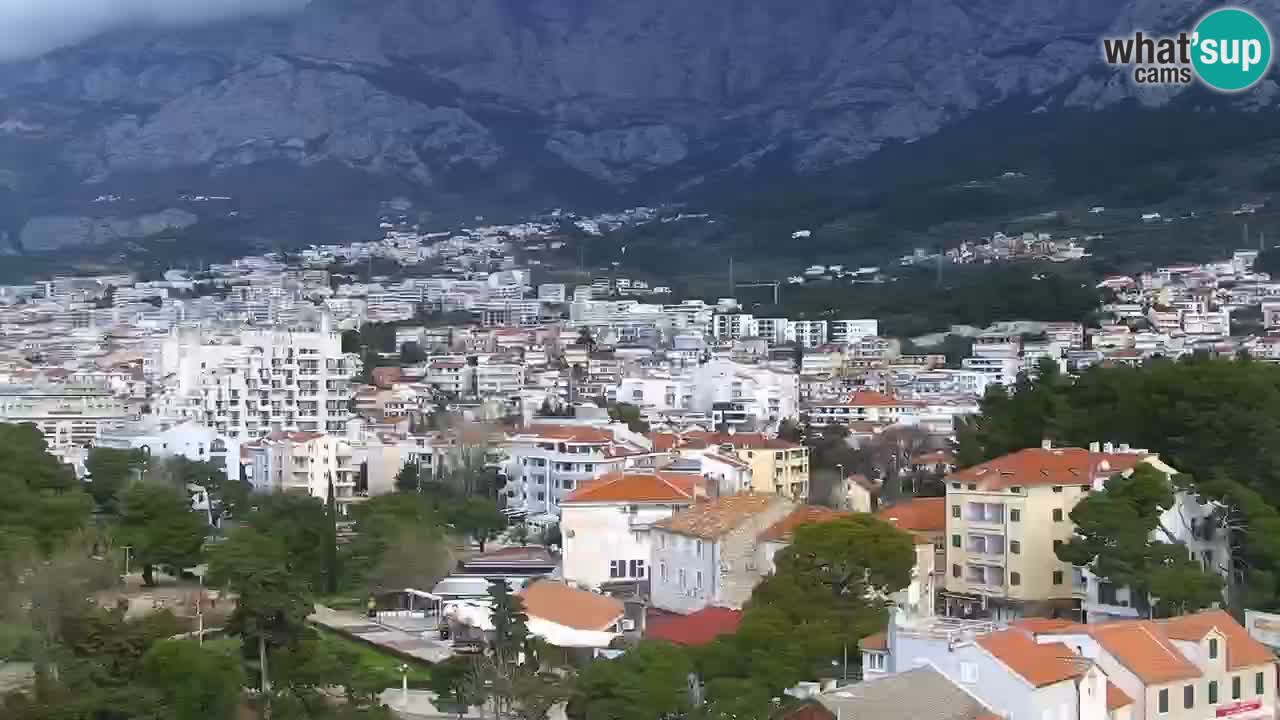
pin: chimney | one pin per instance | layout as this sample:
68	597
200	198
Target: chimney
1046	444
1095	447
1108	447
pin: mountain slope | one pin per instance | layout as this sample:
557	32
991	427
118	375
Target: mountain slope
484	104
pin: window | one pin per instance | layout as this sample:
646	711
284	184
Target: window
973	486
1235	688
955	541
662	571
1259	684
1188	696
682	578
1016	490
698	583
637	568
968	672
1213	648
875	661
1015	547
617	568
1056	544
1015	578
955	571
699	548
1015	516
1057	488
955	486
955	511
1057	514
1213	692
1057	577
1163	701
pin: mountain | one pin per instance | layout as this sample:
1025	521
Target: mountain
489	105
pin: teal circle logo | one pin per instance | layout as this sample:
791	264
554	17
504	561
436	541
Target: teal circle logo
1231	49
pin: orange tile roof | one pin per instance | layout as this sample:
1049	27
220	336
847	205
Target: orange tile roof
871	398
919	515
936	457
571	607
1116	698
1038	466
1046	626
877	642
695	629
1143	649
569	433
1242	650
1038	664
712	519
751	441
637	487
782	530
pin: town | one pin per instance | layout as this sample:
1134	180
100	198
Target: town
634	483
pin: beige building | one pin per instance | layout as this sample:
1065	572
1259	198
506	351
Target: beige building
1004	519
778	467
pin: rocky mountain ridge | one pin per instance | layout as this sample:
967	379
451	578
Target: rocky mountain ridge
448	97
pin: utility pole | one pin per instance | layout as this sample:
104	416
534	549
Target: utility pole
732	285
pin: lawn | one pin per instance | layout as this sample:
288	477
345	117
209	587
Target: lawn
373	659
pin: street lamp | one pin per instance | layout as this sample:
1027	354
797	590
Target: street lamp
404	684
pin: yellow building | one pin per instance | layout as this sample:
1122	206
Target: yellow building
778	466
1005	518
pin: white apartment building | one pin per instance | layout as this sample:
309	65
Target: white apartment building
304	463
809	333
551	292
772	330
865	406
548	462
189	440
66	415
733	326
847	332
256	382
768	396
498	378
605	523
998	370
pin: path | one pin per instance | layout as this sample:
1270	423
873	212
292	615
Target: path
415	637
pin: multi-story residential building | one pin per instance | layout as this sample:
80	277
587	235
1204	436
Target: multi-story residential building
865	406
778	467
767	396
998	370
605	523
732	326
67	415
1007	516
771	330
847	332
547	463
809	333
709	554
257	382
499	378
189	440
305	464
448	374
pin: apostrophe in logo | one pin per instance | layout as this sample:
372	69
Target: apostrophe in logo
1231	49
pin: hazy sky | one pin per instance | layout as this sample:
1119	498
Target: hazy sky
30	28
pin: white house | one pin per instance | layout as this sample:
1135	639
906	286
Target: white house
605	523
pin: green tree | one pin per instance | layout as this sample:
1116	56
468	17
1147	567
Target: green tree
195	682
272	603
159	525
791	430
650	681
629	414
43	504
1120	539
408	478
303	526
479	519
111	471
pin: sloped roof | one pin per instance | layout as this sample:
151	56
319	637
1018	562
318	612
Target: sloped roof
712	519
632	486
1143	649
921	693
695	629
563	605
876	642
1038	664
782	530
918	515
569	433
1040	466
1242	650
1116	698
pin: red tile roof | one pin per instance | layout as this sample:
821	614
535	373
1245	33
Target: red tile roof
918	515
1242	650
1142	648
637	487
1038	466
752	441
1116	698
1038	664
712	519
569	433
698	628
782	530
877	642
936	457
571	607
